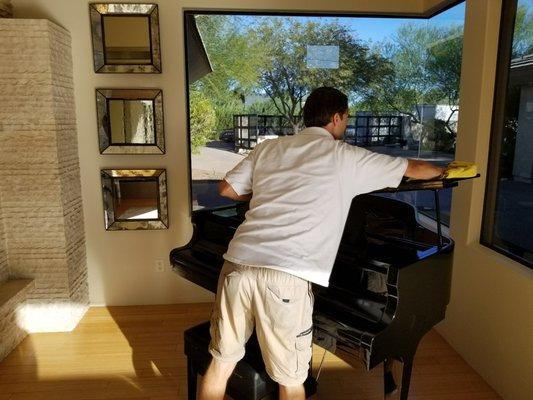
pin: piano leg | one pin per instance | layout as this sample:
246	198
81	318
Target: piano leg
192	376
389	378
396	372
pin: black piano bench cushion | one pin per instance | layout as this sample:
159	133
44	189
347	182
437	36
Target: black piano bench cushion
249	380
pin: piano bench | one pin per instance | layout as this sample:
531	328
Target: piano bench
249	380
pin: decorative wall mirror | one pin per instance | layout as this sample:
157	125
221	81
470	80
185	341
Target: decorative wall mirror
125	37
130	121
134	199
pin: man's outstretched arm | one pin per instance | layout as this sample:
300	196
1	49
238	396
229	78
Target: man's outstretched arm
226	190
417	169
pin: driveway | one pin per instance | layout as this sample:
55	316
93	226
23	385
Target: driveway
214	160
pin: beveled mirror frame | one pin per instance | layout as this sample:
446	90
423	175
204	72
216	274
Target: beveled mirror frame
108	176
104	127
98	10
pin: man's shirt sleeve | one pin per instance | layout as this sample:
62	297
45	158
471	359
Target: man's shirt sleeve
369	171
240	177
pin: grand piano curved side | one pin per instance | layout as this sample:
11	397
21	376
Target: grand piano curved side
389	286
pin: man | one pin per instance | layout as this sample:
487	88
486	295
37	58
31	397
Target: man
300	189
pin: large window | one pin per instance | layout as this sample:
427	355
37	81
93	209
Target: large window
401	76
508	212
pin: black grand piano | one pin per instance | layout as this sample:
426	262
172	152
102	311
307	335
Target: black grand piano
389	286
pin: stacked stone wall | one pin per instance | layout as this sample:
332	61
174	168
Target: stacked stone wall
40	186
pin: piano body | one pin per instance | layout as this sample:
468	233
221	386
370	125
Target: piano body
389	286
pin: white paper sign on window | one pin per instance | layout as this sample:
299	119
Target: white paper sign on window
323	57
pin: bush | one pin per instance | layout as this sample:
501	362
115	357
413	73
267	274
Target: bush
202	120
444	139
434	136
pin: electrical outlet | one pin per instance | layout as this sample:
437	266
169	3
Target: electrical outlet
159	265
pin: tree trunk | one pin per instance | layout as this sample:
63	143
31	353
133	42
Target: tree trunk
296	128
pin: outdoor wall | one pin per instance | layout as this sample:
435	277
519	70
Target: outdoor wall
489	320
121	264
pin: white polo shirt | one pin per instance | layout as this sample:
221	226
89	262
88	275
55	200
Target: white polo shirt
303	186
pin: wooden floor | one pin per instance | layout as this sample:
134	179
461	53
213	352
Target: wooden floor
137	353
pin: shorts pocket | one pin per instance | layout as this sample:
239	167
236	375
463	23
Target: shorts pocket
283	305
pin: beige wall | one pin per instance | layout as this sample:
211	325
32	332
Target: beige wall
489	320
4	270
121	265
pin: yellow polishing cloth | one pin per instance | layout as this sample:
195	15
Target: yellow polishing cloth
460	169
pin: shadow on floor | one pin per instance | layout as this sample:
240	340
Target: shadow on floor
137	353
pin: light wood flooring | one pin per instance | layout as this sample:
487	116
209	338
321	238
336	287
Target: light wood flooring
137	353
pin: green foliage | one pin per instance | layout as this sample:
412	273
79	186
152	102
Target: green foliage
412	81
523	32
443	65
440	138
427	70
225	111
287	79
262	107
202	120
419	65
234	54
236	58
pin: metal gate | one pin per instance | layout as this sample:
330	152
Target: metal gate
362	130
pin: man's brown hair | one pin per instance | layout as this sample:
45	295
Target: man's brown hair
322	104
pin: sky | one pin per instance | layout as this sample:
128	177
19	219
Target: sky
379	29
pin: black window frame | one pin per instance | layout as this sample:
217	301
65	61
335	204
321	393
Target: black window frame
503	65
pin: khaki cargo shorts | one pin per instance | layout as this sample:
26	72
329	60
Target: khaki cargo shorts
279	305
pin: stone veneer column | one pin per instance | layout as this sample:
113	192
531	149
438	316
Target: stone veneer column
40	189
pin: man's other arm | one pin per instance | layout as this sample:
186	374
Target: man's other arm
417	169
226	190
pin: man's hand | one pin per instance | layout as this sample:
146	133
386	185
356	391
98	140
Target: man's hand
417	169
225	189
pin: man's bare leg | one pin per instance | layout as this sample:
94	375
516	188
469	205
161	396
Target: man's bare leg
215	379
291	392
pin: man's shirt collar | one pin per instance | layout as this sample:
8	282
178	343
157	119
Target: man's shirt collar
316	130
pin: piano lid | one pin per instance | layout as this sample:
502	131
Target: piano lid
417	184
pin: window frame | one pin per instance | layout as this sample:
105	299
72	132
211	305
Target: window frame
503	65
